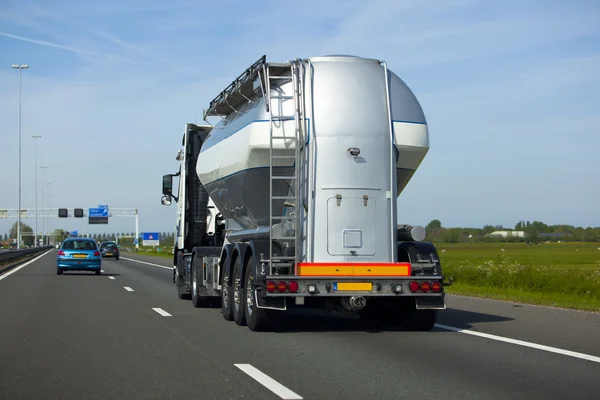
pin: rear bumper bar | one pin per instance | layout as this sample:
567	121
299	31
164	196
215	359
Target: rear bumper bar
328	286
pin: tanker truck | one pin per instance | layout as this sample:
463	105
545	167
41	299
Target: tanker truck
290	199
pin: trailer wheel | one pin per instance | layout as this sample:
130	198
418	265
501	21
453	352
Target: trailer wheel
182	291
418	320
239	299
257	319
226	295
198	300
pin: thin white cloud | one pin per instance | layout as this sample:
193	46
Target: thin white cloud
67	48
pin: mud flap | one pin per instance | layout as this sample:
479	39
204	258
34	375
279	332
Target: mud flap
430	303
271	303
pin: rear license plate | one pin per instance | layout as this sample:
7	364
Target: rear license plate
353	286
79	256
109	254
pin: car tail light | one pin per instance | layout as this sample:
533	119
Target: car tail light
414	286
96	253
425	286
293	286
271	286
282	287
436	287
61	253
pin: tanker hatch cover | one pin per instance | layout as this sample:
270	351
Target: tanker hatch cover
242	89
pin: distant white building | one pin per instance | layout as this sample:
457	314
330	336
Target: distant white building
508	234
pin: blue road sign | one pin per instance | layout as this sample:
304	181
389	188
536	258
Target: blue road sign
103	206
150	238
98	212
74	233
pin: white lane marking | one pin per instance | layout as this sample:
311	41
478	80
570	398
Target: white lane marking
111	277
162	312
12	271
128	288
144	262
101	270
522	343
269	382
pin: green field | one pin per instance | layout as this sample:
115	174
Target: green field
554	274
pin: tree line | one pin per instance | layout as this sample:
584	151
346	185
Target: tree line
535	231
58	235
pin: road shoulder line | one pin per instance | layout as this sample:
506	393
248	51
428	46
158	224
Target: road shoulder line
12	271
522	343
145	262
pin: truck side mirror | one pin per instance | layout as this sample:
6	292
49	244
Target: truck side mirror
167	185
166	200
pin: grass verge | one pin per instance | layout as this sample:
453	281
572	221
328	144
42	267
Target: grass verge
568	301
563	275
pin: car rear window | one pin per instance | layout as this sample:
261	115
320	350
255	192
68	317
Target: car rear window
79	245
111	245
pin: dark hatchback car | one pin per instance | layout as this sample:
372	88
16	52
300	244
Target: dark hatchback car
109	249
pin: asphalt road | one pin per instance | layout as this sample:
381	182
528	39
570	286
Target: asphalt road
125	334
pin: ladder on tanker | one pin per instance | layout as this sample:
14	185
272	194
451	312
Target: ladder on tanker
276	75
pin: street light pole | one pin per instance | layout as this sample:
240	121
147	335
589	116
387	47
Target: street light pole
44	183
36	137
20	68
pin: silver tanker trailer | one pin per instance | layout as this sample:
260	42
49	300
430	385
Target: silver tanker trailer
290	200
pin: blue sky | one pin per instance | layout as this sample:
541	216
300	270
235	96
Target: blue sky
511	91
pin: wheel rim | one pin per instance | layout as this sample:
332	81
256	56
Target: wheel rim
225	292
194	285
249	297
236	295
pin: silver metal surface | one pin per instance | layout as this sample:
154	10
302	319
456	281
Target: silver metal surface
392	170
258	171
411	233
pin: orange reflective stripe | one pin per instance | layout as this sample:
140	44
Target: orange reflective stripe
353	269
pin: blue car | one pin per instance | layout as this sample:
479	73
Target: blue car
78	254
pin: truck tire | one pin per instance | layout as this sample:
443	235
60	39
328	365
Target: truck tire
198	301
257	319
239	299
226	295
182	291
418	320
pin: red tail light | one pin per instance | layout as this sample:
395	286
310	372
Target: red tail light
293	286
96	253
414	286
436	287
425	286
61	253
282	287
271	286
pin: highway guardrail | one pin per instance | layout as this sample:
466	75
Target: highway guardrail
10	258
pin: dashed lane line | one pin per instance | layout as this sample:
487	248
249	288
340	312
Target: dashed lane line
162	312
268	382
